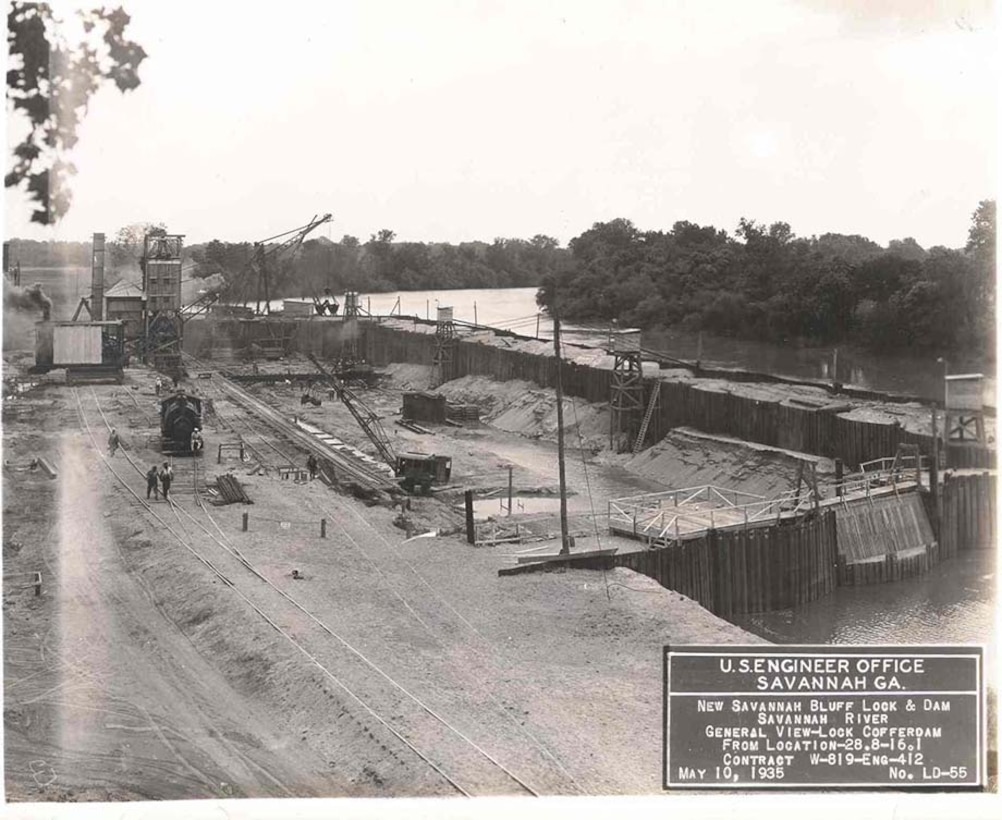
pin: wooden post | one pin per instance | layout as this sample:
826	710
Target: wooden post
38	584
323	527
835	384
474	314
564	545
537	325
839	477
246	516
937	510
509	488
219	456
471	535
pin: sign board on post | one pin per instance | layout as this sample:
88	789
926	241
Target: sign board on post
798	717
965	392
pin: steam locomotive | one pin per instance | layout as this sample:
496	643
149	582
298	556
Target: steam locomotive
180	414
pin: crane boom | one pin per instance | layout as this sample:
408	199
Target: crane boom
263	256
367	420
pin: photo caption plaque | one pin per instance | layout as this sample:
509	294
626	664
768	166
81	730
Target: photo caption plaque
801	717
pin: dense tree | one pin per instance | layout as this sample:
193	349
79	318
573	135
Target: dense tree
126	249
766	283
50	81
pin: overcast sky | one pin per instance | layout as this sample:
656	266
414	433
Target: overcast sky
452	121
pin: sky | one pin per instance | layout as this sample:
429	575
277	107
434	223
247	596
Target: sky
458	121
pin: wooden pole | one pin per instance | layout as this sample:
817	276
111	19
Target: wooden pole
537	325
839	477
564	545
934	478
471	535
323	527
509	488
246	516
474	314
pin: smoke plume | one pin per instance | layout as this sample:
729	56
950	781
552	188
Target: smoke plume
30	298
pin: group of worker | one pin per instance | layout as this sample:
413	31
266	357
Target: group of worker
159	385
159	478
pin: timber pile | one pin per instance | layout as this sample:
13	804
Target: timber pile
230	491
462	412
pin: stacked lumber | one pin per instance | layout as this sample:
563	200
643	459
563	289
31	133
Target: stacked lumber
230	491
462	412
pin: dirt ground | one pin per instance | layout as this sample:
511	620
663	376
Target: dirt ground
173	655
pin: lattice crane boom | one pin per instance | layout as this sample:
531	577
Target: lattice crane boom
367	420
264	256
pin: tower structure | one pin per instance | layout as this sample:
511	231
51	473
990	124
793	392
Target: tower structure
349	330
161	266
445	347
97	278
965	410
626	392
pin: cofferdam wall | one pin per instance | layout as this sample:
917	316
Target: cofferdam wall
852	430
795	417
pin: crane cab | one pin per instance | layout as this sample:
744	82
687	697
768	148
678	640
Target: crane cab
418	471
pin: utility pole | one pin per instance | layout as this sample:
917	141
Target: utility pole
564	541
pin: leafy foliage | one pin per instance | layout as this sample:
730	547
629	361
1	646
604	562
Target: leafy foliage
50	83
765	283
382	264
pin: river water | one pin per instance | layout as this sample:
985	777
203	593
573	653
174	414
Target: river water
953	603
516	309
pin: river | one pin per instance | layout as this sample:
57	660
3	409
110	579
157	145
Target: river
516	310
953	603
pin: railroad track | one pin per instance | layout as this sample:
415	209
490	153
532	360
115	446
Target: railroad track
369	690
367	475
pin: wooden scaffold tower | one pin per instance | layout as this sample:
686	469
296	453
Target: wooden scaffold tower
445	347
626	400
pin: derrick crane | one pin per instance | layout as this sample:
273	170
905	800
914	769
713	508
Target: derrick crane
264	256
258	270
367	420
416	471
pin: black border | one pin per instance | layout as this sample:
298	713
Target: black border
932	788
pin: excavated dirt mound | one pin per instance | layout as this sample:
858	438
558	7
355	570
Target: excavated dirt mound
688	458
526	409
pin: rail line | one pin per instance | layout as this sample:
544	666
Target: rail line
410	712
364	474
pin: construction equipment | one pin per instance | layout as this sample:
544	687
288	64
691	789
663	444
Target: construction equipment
257	274
416	471
265	256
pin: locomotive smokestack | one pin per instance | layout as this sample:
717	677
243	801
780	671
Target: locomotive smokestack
97	278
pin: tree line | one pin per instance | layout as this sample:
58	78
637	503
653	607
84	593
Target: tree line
382	264
761	283
764	283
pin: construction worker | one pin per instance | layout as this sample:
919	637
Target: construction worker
113	442
151	483
159	385
196	441
166	477
312	466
